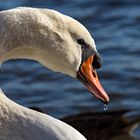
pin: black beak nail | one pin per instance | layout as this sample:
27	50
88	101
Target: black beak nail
97	63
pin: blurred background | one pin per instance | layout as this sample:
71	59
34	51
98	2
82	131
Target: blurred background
115	26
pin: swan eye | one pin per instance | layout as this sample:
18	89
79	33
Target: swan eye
81	41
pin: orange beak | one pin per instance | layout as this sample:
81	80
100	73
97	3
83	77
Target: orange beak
88	76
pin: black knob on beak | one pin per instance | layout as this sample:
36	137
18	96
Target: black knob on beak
97	62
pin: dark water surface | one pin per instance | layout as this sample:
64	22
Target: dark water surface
115	26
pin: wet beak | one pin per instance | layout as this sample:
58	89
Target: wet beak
88	76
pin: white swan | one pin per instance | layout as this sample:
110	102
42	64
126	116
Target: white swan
59	43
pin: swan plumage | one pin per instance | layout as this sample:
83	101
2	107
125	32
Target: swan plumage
20	123
50	38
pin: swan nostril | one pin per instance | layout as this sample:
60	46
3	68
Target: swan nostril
97	62
94	74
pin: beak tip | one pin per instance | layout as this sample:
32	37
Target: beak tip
105	100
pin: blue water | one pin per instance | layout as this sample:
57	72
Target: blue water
115	26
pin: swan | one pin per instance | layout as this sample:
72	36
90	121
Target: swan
61	44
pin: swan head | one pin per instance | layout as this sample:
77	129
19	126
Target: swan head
78	56
59	42
89	60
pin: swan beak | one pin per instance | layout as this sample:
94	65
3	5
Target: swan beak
88	76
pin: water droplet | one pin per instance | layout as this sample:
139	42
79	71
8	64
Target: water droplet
105	107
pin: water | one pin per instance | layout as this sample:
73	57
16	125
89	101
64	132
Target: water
105	107
115	26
